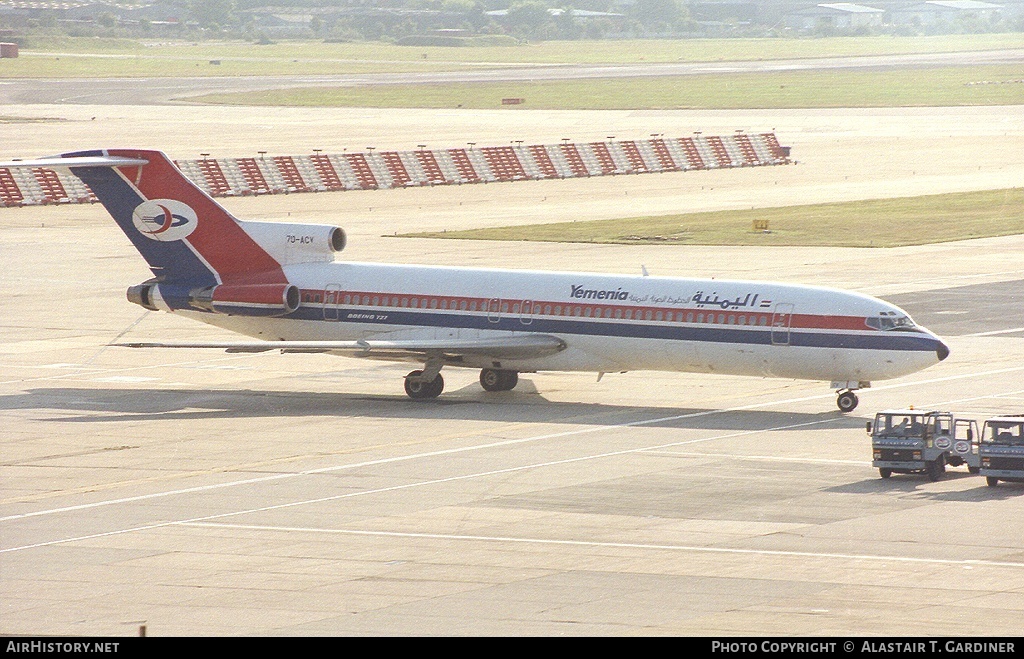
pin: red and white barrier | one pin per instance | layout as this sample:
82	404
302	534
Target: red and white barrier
225	177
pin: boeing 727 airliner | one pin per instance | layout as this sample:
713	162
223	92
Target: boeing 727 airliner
279	283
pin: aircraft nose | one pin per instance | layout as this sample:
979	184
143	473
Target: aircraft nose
941	350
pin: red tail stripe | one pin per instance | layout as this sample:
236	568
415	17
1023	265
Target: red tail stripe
218	238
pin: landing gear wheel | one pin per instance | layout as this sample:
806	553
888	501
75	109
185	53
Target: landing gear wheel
935	469
493	379
419	390
992	481
847	401
884	472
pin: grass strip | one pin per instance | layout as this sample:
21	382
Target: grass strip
872	223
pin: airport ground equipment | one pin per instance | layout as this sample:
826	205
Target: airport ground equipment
914	441
1001	449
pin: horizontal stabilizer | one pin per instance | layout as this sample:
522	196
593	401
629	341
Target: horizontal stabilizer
512	347
54	162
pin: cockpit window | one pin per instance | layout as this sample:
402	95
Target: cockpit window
890	322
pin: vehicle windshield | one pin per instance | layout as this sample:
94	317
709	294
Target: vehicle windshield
1004	432
891	321
906	425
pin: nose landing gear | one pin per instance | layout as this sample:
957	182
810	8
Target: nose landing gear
847	401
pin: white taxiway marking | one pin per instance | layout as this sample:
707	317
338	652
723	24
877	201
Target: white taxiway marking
624	545
405	458
997	332
512	442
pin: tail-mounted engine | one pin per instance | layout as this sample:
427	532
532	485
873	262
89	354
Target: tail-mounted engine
255	300
291	244
247	300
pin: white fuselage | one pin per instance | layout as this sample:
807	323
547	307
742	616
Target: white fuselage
608	322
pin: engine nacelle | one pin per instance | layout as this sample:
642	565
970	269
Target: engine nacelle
260	300
144	295
291	244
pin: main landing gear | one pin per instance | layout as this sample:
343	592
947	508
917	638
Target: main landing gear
493	379
419	388
428	383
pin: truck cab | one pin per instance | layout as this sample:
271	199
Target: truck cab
916	441
1002	450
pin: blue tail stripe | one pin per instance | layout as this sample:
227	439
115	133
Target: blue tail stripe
173	261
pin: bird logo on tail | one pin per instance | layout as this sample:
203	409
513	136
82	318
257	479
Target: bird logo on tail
164	219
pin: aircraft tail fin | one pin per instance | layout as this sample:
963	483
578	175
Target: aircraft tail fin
185	236
202	257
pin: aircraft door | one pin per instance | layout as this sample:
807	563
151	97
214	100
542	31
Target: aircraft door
332	300
526	312
782	317
494	310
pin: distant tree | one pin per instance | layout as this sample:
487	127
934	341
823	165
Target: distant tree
106	19
657	12
211	13
527	18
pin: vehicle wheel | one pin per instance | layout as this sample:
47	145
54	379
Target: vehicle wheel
420	390
884	472
974	470
934	469
847	402
992	481
493	379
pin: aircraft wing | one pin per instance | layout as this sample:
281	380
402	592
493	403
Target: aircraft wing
511	347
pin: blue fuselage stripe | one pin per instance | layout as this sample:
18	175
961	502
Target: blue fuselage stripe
389	318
